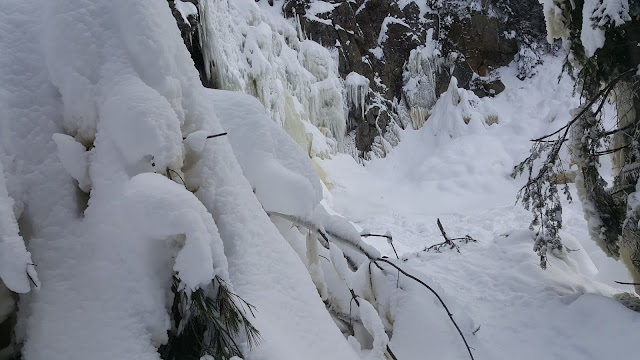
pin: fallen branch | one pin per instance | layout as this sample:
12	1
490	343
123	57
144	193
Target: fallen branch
389	240
216	135
626	283
354	297
449	242
437	296
324	238
210	136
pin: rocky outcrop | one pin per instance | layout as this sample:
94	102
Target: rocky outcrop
188	25
376	39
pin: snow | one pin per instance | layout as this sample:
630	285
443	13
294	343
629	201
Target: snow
557	24
320	7
356	87
592	36
419	81
373	324
111	185
377	52
75	159
116	79
295	79
613	11
382	37
186	9
15	261
596	15
459	173
280	173
422	5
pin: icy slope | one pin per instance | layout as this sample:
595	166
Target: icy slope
460	174
251	48
116	77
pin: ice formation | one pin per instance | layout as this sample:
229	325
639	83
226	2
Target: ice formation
356	87
252	50
126	89
419	79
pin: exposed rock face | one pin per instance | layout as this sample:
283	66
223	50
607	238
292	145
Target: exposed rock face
191	36
376	38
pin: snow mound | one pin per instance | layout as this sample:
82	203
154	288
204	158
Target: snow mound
115	78
280	173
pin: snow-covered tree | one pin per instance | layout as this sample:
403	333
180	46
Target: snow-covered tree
145	216
601	38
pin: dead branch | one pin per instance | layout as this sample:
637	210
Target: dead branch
169	171
389	239
626	283
210	136
448	241
308	224
216	135
476	330
604	93
437	296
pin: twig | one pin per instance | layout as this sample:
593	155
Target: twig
393	356
439	299
476	330
324	235
603	93
448	241
626	283
32	281
210	136
169	170
354	297
216	135
376	235
388	237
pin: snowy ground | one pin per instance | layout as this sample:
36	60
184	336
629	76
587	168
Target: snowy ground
522	311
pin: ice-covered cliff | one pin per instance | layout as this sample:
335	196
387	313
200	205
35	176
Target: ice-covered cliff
300	58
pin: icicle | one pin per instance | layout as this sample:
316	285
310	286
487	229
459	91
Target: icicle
357	87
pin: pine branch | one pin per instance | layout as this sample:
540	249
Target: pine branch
208	323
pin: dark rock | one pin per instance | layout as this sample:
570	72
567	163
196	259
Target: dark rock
473	42
191	37
491	88
482	40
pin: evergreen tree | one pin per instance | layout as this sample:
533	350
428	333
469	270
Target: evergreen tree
601	38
